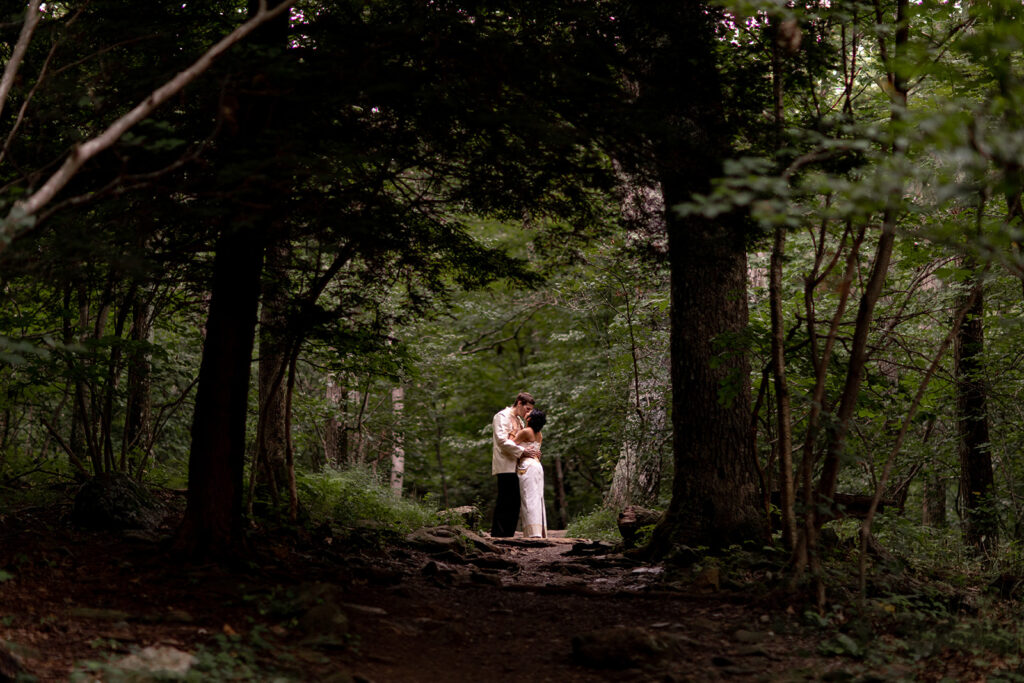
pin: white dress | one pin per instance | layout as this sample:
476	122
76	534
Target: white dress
532	514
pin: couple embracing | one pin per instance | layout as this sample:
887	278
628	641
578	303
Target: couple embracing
516	464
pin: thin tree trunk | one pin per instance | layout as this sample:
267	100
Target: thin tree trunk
873	289
113	373
438	434
332	426
354	450
561	504
397	447
783	411
976	478
137	428
293	491
271	431
81	438
784	419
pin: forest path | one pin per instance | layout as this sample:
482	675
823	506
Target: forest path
86	606
565	609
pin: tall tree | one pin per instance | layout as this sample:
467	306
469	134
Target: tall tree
212	524
715	500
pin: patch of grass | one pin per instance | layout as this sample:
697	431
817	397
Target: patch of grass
601	524
348	497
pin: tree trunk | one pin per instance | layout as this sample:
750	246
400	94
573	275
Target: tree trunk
137	436
783	413
212	525
353	436
637	475
934	513
561	503
332	425
114	367
271	437
869	298
787	486
438	440
715	499
976	479
397	447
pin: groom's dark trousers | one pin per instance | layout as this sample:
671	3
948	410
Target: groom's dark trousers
506	510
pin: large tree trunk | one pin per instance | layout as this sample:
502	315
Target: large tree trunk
715	501
976	480
212	526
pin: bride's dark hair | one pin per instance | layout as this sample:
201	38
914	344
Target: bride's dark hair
536	420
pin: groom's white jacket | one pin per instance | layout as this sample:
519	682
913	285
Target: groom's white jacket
506	452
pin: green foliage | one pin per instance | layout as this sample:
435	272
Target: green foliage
353	496
599	524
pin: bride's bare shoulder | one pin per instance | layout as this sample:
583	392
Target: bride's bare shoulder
526	434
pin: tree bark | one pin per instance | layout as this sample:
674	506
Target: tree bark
976	479
561	504
271	436
783	412
212	525
637	475
397	447
137	435
934	513
332	425
715	499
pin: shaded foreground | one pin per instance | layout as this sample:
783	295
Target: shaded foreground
440	606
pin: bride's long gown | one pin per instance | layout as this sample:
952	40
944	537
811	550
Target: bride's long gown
532	514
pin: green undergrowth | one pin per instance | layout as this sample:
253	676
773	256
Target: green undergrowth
600	524
931	609
356	497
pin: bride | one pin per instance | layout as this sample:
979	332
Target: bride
531	476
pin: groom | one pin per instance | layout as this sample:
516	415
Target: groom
503	465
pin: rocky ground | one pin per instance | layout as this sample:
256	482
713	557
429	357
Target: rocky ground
442	604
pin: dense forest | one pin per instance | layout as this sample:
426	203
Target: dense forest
759	262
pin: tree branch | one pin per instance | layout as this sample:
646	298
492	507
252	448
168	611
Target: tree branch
15	221
14	63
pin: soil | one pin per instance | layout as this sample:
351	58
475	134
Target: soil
327	606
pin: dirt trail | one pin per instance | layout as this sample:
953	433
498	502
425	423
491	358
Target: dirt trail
461	620
316	608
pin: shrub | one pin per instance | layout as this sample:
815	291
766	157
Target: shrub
346	497
601	524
